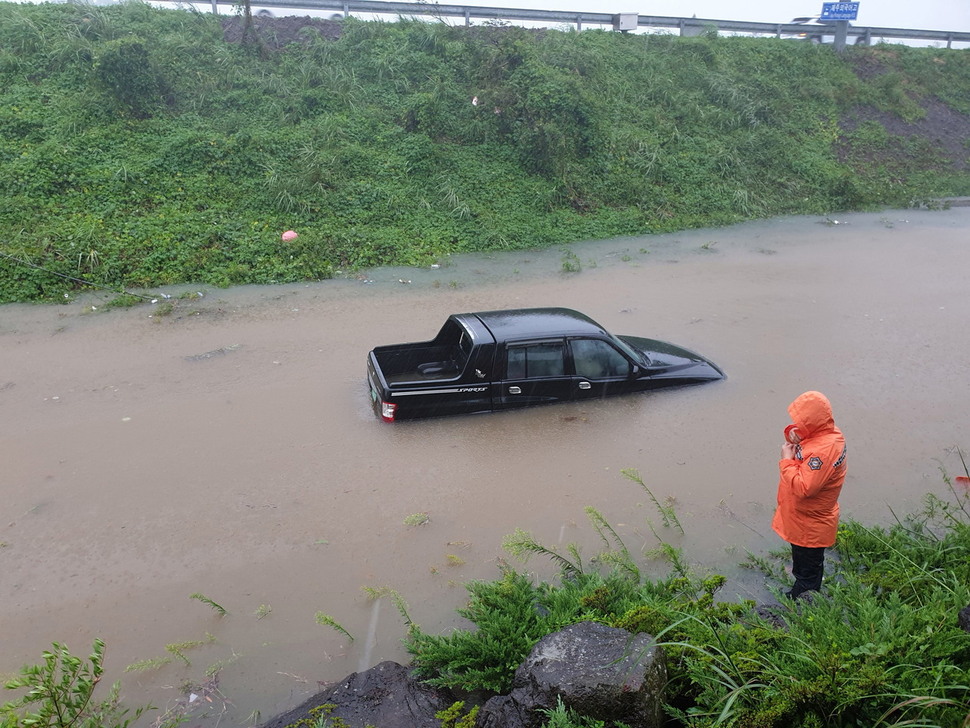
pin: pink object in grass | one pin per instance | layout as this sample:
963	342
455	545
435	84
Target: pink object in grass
289	235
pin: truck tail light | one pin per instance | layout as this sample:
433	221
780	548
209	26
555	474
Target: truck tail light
387	411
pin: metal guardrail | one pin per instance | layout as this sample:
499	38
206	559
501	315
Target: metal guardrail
685	26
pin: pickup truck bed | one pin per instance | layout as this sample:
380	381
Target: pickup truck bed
441	358
432	362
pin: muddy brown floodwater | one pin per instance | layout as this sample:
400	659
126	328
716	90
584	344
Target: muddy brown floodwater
228	448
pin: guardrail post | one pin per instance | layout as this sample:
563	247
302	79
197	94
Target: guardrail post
841	33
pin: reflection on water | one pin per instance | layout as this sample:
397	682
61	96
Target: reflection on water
140	467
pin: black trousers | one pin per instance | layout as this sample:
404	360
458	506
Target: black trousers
807	566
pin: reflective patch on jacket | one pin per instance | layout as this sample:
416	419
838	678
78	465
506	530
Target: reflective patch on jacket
841	458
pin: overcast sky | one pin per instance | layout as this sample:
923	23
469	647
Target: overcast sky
918	14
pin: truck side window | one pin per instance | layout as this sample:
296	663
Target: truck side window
595	359
535	360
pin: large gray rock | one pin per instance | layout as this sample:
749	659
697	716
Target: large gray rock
599	671
386	696
963	618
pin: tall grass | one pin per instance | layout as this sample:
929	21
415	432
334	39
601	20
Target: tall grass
371	144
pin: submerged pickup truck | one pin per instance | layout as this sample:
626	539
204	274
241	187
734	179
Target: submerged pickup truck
497	360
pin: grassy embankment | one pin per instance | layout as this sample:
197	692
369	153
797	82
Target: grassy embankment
138	148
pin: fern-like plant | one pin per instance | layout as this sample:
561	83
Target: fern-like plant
616	552
205	600
521	544
327	620
666	510
395	597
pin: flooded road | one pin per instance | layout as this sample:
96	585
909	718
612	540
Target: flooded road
227	448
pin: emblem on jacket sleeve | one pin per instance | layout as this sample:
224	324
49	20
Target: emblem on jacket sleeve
815	463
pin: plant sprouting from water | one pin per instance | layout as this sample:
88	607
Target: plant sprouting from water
615	551
396	599
522	545
153	663
570	262
205	600
666	510
178	648
328	621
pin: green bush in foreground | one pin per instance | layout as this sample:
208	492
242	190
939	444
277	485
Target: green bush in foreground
882	647
59	694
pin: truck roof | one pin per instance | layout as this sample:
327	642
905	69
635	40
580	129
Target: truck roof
521	323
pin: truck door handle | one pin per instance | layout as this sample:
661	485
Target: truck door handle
515	390
585	385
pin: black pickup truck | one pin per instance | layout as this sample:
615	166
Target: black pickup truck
496	360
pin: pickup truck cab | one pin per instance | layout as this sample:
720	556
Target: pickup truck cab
497	360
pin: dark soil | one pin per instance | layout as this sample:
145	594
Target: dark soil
274	33
943	131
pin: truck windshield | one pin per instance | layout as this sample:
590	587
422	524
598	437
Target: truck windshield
635	355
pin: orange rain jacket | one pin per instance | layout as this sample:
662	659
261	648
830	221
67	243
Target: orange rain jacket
810	483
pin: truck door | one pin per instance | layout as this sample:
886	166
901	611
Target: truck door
601	369
535	373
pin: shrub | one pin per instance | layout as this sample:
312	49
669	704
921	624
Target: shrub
881	648
59	694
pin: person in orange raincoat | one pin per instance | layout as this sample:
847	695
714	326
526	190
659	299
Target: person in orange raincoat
812	469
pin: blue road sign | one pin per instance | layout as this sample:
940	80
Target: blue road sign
839	11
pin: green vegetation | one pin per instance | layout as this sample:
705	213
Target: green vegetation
452	716
178	648
138	148
417	519
59	694
882	647
205	600
327	620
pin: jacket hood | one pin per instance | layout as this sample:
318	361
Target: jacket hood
812	414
